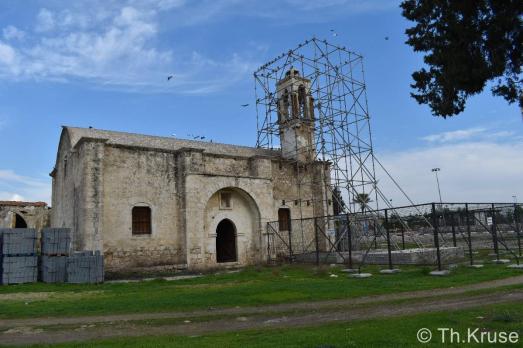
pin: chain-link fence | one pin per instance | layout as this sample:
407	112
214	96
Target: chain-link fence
433	233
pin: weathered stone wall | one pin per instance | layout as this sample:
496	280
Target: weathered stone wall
35	215
67	192
98	180
249	181
148	178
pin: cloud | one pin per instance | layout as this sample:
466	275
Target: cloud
18	187
11	32
484	171
45	20
117	47
7	54
457	135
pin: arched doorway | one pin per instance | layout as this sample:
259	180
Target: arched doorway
20	222
226	242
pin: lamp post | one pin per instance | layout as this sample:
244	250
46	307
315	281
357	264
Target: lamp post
435	171
515	198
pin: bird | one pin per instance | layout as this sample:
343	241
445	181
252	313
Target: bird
169	77
334	33
244	105
201	138
386	37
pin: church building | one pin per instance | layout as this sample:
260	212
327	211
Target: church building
152	202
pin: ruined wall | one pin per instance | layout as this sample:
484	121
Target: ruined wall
147	178
35	215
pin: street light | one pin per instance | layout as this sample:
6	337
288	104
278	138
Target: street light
515	198
435	171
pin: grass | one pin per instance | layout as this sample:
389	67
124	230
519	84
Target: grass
250	287
397	332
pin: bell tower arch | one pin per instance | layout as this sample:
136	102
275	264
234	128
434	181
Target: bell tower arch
296	116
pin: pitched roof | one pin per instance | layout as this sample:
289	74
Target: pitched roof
164	143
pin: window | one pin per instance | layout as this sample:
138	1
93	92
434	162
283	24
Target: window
141	220
284	219
225	200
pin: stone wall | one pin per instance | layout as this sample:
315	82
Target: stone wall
35	214
97	182
134	177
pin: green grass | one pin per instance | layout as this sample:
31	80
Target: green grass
396	332
250	287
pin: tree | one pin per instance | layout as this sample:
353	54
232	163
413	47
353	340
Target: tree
338	205
467	43
363	199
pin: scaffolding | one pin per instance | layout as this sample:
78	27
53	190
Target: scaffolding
311	103
335	106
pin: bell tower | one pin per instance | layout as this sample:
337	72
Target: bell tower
296	116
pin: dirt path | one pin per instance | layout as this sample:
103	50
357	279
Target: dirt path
28	331
285	307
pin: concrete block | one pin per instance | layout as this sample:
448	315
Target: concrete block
350	270
17	241
476	265
501	261
56	241
360	275
440	273
18	269
53	269
85	267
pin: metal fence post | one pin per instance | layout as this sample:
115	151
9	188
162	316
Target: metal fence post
436	237
402	236
268	245
469	234
494	231
290	240
518	232
388	238
454	242
350	241
316	241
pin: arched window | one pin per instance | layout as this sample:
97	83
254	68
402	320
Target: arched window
141	220
284	219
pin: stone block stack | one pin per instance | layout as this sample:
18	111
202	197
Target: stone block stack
55	248
18	259
19	262
85	267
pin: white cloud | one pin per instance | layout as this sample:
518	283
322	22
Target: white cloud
11	32
18	187
115	47
457	135
119	44
470	171
45	20
7	54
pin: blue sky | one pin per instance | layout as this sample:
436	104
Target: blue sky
104	64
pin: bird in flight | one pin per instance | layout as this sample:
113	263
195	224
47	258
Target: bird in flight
244	105
334	33
169	77
386	37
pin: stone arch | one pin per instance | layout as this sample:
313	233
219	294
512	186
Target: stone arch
243	213
20	221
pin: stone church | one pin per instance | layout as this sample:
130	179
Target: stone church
150	202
